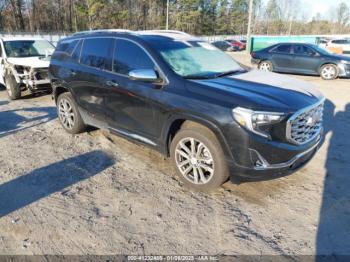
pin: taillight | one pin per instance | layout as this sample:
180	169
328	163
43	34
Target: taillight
253	54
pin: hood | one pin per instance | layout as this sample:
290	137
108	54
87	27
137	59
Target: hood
34	62
339	57
260	90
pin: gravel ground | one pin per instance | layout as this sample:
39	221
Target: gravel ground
95	193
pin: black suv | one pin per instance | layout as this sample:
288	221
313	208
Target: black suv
189	100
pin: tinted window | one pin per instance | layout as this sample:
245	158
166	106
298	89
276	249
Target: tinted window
97	52
129	56
339	41
77	51
67	46
282	49
303	50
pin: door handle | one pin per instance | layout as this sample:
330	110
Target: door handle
112	83
72	73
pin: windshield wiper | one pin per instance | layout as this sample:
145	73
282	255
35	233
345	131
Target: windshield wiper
198	77
231	72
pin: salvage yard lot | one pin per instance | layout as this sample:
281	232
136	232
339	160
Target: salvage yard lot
95	193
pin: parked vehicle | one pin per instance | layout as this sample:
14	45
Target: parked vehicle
24	65
344	44
189	100
225	46
302	58
241	46
323	43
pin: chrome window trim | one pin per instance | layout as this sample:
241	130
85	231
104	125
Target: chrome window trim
162	75
294	116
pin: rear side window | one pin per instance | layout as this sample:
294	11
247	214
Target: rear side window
97	52
339	41
129	56
67	46
283	49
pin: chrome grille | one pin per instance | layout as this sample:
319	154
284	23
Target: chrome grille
305	124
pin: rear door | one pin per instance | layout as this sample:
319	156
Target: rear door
306	60
88	79
282	58
132	105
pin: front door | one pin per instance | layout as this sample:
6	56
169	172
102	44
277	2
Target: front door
132	105
306	60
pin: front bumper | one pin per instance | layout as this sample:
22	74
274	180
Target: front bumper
344	70
258	158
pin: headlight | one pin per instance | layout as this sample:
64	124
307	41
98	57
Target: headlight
22	69
255	121
345	62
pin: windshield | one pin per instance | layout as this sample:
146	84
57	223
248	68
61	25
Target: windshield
321	50
28	48
195	59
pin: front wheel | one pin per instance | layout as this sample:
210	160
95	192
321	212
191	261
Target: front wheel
329	72
69	115
12	87
198	158
265	66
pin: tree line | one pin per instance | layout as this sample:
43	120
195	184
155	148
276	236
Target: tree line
199	17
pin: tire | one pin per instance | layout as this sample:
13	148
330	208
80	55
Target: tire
329	72
265	65
200	175
69	115
12	87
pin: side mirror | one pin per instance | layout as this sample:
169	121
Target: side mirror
145	75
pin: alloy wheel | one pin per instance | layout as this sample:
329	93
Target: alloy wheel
265	66
328	72
66	114
194	160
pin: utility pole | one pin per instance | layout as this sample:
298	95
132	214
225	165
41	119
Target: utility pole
167	15
250	15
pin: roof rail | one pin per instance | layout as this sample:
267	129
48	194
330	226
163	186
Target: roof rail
164	31
102	31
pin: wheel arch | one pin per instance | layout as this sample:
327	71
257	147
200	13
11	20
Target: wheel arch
175	123
58	90
327	63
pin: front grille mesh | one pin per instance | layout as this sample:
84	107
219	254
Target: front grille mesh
306	125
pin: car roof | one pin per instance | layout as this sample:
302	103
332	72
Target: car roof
145	34
18	38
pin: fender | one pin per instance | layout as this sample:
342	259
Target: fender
195	118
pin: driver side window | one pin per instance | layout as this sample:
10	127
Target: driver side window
129	56
304	50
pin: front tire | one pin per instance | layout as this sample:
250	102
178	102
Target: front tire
198	158
12	87
69	115
329	72
265	66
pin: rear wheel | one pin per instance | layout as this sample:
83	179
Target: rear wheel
12	87
69	115
198	158
265	66
329	72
